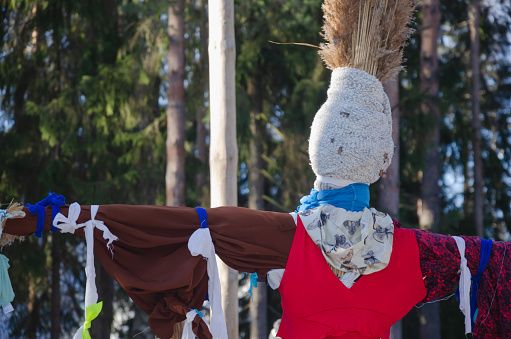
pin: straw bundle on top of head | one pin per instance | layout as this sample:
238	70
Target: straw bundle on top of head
366	34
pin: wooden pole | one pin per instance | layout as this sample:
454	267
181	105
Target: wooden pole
223	147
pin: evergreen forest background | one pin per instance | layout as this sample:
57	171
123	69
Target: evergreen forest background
83	112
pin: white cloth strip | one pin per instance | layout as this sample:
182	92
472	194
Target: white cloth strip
187	330
201	243
334	181
68	225
464	284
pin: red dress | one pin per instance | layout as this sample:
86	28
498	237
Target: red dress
317	305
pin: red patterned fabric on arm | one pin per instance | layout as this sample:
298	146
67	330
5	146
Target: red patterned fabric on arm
440	263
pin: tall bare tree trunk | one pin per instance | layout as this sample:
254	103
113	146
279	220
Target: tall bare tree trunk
476	117
223	157
388	186
201	132
55	286
175	176
429	204
257	308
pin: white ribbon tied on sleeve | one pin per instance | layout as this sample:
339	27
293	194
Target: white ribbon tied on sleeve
68	225
201	243
187	330
464	284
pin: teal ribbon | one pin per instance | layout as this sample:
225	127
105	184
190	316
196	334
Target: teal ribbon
253	283
6	292
198	312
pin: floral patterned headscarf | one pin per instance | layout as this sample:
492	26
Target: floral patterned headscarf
358	242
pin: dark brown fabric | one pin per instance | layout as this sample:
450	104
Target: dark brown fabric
152	262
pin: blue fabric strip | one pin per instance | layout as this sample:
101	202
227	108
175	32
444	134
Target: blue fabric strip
53	200
486	246
354	197
203	217
40	211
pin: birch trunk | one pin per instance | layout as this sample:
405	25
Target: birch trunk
388	186
429	204
476	117
175	174
201	132
223	148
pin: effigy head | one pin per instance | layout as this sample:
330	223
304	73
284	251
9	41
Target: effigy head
351	135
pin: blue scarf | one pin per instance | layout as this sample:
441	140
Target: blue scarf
354	197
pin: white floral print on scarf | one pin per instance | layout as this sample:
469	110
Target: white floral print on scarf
358	242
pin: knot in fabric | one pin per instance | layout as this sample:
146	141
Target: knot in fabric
187	330
91	313
200	243
53	200
68	224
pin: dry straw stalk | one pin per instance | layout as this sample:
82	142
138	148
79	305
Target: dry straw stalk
367	34
8	239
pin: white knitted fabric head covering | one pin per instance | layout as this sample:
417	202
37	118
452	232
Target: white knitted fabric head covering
351	135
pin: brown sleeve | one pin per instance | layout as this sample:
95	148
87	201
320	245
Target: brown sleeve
151	258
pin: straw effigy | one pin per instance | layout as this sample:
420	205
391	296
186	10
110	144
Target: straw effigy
368	35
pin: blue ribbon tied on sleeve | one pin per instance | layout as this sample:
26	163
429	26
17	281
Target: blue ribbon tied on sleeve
53	200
